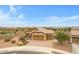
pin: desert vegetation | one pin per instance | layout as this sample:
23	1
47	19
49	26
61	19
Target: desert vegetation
7	34
62	35
20	36
22	41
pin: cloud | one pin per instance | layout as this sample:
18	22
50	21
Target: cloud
52	17
21	16
11	13
12	9
74	17
63	21
60	19
12	19
4	16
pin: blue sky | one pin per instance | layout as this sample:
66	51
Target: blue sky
39	15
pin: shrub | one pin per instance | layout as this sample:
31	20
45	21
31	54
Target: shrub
6	40
61	37
22	38
24	43
19	44
13	41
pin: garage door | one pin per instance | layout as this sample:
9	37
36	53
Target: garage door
49	37
75	40
38	37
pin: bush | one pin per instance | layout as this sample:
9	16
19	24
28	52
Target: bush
22	39
6	40
13	41
19	44
62	37
24	43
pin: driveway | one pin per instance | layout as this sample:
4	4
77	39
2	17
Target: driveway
49	44
75	48
41	43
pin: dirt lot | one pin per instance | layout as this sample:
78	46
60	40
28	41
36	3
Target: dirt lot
65	47
6	44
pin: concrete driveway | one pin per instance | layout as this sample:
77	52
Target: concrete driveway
41	43
49	44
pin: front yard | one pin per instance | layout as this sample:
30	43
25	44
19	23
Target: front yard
41	43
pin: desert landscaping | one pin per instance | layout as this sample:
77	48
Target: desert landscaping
43	37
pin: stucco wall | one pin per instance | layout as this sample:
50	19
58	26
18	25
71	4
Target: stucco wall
75	32
49	37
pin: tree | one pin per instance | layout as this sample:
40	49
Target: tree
61	36
67	30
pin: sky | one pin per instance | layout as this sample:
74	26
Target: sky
39	15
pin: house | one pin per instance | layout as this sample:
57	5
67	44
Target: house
75	40
42	34
75	35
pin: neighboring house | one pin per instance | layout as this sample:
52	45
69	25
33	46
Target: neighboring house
75	35
42	34
75	40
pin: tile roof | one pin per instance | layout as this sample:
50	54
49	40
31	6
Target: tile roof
45	30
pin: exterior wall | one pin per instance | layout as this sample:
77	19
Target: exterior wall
49	36
41	35
75	40
75	32
75	36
